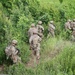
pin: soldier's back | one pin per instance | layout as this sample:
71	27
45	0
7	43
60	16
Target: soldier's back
52	26
67	25
31	30
8	50
35	37
40	28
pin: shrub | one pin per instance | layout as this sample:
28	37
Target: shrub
19	69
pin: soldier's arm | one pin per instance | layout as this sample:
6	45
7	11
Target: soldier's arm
53	27
42	28
30	40
16	52
69	27
39	39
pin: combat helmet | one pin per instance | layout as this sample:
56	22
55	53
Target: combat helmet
51	22
14	42
69	20
40	22
32	25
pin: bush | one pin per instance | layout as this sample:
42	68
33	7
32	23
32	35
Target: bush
19	69
2	54
24	52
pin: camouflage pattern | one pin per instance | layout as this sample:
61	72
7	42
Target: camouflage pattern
68	24
73	32
31	30
73	24
16	58
8	51
40	22
35	44
51	29
73	35
12	52
14	42
40	29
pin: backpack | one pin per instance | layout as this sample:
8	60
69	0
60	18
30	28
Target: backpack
35	42
8	51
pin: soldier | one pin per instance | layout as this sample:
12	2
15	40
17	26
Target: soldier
73	35
73	24
67	25
40	29
73	30
12	52
51	29
30	31
68	28
35	42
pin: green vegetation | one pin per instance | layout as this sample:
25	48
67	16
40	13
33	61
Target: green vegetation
57	54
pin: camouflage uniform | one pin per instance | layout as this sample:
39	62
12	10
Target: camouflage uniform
73	35
67	25
12	52
73	24
68	29
73	28
51	29
31	30
40	29
35	42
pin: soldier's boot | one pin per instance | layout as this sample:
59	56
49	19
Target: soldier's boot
41	35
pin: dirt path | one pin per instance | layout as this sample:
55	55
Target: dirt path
33	62
49	56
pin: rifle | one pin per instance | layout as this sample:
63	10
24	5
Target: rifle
18	51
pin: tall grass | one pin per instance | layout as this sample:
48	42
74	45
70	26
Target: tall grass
57	54
61	62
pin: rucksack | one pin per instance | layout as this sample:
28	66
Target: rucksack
35	42
8	51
